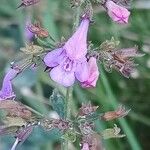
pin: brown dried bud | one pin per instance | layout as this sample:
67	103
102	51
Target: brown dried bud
38	30
26	3
87	109
119	113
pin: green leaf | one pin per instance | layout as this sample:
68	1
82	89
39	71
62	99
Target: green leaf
58	103
70	135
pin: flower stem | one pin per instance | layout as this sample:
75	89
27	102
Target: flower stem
65	143
68	103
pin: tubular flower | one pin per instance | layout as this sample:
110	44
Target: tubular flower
6	91
93	74
69	61
117	13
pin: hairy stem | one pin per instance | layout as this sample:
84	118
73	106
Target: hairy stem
68	114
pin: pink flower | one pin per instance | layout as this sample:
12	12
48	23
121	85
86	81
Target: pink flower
93	74
7	92
85	146
117	13
69	61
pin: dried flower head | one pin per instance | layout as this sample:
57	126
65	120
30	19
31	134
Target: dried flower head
121	60
119	113
38	30
87	109
112	133
50	124
32	49
26	3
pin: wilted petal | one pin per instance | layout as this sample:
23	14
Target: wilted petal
59	75
76	46
93	74
128	52
54	57
117	13
81	71
7	91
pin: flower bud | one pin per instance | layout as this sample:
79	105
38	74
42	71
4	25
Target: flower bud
112	133
120	112
117	13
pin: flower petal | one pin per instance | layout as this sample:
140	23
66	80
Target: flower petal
7	91
59	75
81	71
85	146
76	46
54	57
93	74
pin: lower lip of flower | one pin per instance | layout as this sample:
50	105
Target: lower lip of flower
68	65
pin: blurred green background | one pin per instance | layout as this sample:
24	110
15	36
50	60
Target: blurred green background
33	88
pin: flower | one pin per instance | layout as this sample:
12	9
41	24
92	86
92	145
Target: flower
117	13
69	61
85	146
6	91
93	74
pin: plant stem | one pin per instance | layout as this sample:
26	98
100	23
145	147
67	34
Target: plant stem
68	113
68	102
